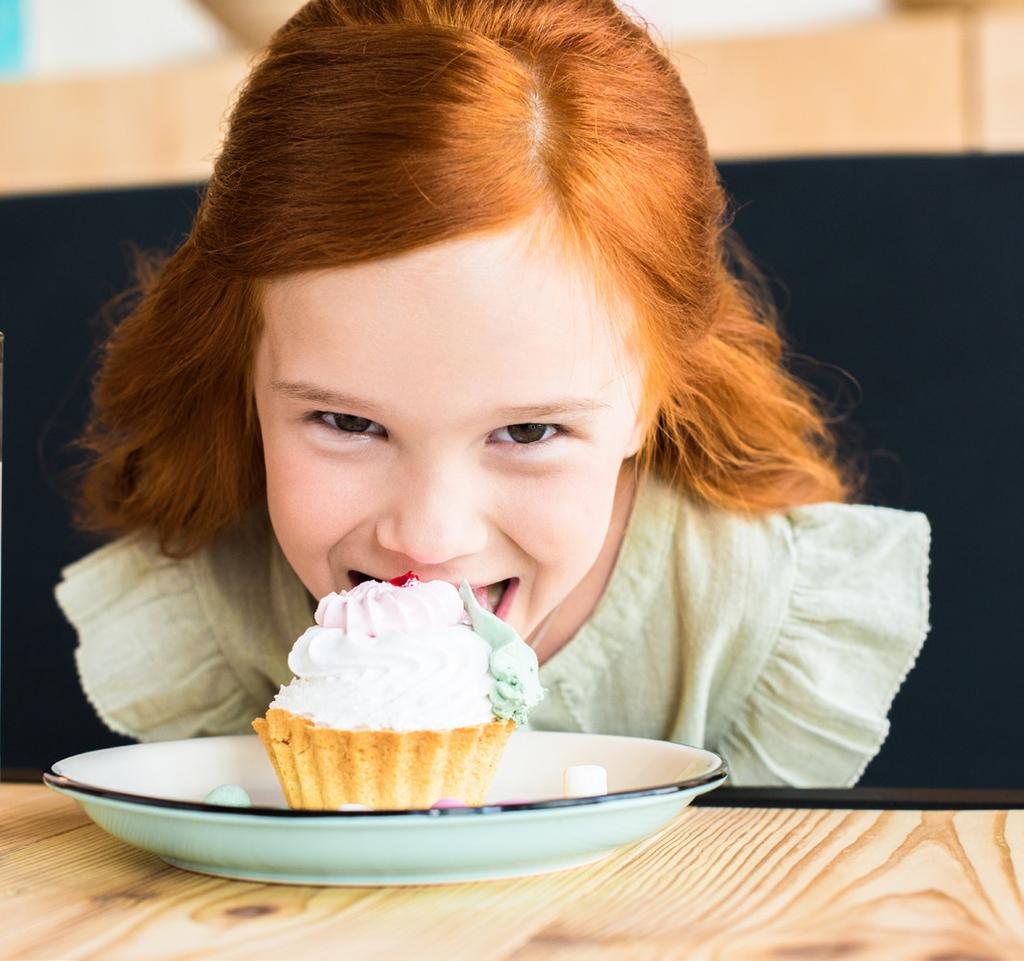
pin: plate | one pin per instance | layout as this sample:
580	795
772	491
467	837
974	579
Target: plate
150	796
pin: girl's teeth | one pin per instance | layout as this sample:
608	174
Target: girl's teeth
494	595
490	597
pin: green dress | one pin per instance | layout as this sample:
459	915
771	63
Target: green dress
778	641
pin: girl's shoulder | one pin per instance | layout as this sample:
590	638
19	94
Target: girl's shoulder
179	647
826	537
811	619
825	547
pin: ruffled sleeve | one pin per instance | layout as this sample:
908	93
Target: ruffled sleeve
853	624
152	657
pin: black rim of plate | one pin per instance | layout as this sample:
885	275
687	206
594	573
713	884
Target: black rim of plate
713	778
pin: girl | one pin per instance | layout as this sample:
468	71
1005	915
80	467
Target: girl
457	300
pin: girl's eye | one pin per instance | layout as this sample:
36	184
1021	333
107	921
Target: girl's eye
527	433
349	423
520	434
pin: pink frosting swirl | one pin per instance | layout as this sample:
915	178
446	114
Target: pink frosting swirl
374	608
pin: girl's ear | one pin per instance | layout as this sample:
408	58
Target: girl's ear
636	437
642	417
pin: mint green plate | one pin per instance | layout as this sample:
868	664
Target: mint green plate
150	796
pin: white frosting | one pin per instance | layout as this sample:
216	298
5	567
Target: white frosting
418	668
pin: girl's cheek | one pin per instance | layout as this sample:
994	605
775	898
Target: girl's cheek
559	515
313	522
299	476
322	490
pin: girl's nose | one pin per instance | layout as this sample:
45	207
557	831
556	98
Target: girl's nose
431	521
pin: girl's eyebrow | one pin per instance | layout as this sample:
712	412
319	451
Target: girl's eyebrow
569	405
297	390
328	398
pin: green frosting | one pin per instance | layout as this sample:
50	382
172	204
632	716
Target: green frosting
513	662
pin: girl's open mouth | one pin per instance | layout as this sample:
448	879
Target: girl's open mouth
496	598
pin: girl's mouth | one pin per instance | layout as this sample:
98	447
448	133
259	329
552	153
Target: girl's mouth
499	596
496	598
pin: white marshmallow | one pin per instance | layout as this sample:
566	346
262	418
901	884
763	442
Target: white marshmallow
585	780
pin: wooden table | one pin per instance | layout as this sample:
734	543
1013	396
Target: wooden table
722	883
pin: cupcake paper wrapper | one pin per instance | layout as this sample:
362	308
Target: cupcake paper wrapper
323	768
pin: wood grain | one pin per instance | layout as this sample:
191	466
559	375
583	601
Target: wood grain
28	815
889	85
143	126
757	885
719	883
996	49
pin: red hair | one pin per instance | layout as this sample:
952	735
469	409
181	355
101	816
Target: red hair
371	128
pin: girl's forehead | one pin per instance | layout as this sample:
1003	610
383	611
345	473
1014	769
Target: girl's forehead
505	273
505	307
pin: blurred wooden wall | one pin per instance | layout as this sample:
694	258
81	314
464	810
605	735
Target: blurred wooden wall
946	80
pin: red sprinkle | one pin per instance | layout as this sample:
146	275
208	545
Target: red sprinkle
409	577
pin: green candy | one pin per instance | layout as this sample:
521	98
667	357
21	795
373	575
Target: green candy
230	795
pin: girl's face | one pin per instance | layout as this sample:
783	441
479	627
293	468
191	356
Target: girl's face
462	411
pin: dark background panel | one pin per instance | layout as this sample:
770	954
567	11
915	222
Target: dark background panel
899	276
906	274
63	260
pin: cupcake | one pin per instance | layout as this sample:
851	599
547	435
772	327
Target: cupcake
405	692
